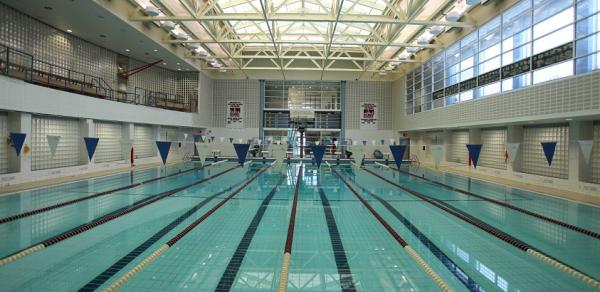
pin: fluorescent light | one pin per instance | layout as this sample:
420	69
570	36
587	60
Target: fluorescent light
127	50
69	31
156	50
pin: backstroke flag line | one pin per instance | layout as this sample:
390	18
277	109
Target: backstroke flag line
398	153
241	150
90	145
203	150
474	150
318	151
18	139
163	149
437	152
53	143
512	149
549	147
586	149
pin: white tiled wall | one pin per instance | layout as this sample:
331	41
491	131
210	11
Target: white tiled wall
144	141
110	145
458	147
493	149
69	146
247	91
534	160
176	135
595	159
358	92
3	146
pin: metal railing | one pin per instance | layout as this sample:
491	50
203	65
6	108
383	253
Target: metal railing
17	64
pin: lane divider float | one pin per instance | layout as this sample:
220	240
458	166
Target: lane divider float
498	234
139	267
287	252
81	199
420	262
503	204
101	220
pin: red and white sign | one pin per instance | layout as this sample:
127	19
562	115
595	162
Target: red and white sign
235	114
368	116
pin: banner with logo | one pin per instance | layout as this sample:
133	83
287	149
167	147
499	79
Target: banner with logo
235	114
368	116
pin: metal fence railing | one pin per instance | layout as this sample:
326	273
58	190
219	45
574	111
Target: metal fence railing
23	66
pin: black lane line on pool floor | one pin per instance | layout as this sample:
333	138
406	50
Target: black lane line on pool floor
109	217
339	253
236	260
81	199
459	273
125	260
503	204
479	224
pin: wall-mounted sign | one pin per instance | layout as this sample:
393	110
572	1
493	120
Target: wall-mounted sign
368	116
488	77
516	68
235	114
468	84
553	56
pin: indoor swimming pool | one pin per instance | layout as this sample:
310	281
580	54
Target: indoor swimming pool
340	228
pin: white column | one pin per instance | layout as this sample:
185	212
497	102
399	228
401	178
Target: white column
20	123
579	170
86	129
514	134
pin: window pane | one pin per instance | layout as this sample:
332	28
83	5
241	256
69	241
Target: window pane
516	40
516	82
467	74
553	72
587	45
587	64
452	80
466	95
489	65
543	9
587	26
489	89
554	39
489	53
468	46
587	7
553	23
516	18
453	70
452	99
516	54
452	55
469	62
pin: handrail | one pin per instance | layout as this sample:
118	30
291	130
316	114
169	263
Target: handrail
21	65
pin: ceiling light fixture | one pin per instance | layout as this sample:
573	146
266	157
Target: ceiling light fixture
127	50
69	31
156	50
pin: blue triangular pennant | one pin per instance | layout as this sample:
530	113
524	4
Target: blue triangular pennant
318	151
18	139
365	142
398	153
163	149
474	150
241	150
230	140
90	145
549	148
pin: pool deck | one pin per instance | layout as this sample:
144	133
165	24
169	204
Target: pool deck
556	192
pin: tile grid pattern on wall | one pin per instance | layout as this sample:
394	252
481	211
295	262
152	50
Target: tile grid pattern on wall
595	159
458	146
176	135
493	149
358	92
579	93
48	44
152	79
111	143
3	146
69	145
144	141
187	84
534	160
205	99
246	91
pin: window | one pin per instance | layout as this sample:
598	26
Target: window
516	82
527	28
553	72
553	40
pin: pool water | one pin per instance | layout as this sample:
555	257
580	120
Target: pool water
338	243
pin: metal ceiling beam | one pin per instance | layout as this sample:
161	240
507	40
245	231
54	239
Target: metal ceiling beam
307	58
307	42
298	69
300	17
328	48
264	12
